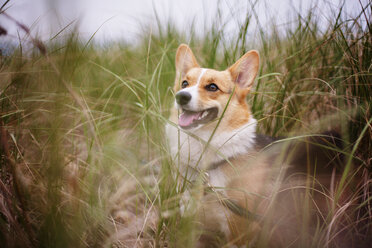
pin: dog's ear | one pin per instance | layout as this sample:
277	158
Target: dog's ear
185	60
244	70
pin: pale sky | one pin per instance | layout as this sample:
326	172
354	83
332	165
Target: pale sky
124	19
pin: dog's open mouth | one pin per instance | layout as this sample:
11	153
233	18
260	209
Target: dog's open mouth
189	119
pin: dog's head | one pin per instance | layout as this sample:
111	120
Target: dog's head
202	94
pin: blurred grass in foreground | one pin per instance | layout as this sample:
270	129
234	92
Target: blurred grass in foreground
83	145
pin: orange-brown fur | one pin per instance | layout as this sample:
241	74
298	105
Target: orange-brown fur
252	186
254	179
238	112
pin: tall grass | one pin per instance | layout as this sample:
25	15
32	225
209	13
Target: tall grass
84	158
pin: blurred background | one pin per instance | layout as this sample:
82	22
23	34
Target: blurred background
127	20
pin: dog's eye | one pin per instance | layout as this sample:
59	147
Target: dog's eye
211	87
184	84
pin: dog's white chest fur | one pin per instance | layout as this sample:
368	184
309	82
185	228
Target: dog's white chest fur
191	152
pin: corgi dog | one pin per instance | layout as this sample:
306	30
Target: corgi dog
254	187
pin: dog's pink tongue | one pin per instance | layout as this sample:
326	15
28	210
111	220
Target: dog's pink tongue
187	118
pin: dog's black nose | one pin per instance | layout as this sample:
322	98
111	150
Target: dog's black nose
183	97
